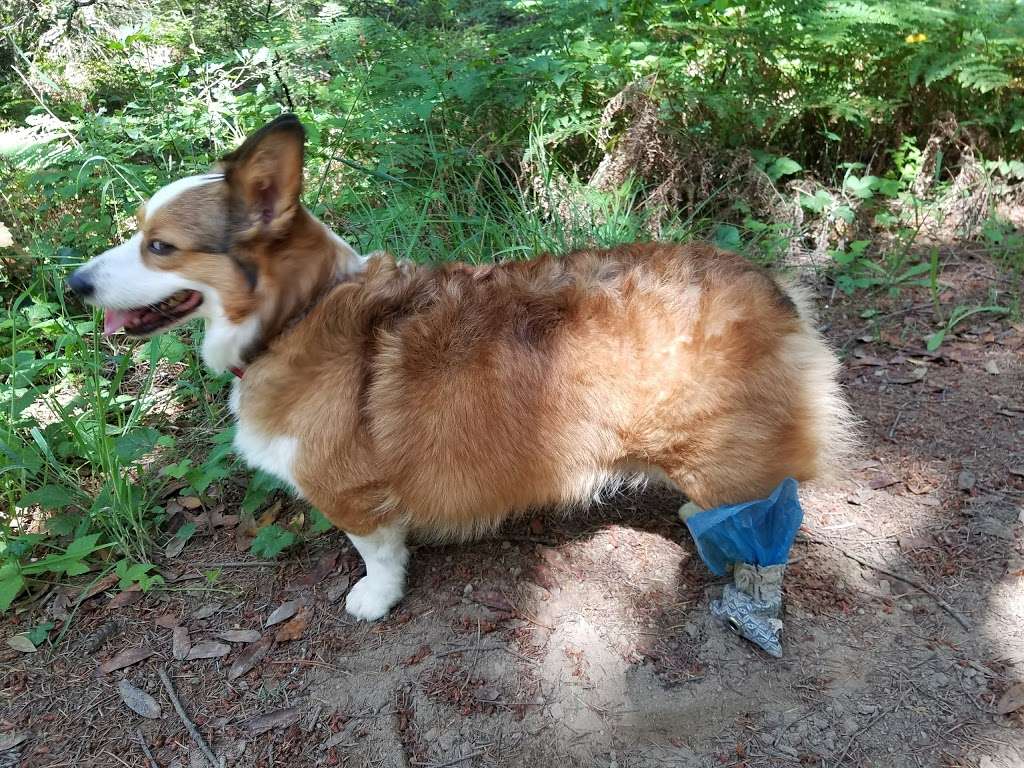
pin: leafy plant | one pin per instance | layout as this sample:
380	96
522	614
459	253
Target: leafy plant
16	573
437	131
271	541
129	574
960	313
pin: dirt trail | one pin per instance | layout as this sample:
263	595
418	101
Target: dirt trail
588	641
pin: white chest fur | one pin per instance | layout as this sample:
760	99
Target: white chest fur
274	454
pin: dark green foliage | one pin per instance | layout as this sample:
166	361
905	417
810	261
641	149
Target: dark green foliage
438	130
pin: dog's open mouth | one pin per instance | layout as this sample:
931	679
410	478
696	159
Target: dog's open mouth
143	321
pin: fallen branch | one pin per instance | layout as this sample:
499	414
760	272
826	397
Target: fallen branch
197	737
150	760
240	564
453	761
959	617
862	731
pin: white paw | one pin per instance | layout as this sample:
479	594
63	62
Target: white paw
370	600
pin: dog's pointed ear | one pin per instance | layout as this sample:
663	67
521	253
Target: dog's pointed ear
265	179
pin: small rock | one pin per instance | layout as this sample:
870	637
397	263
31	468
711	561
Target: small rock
691	630
965	480
900	588
786	749
487	695
990	526
849	726
860	497
939	679
885	588
467	590
506	545
338	588
207	611
181	644
867	709
992	367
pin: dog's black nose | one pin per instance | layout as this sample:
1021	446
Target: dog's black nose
81	284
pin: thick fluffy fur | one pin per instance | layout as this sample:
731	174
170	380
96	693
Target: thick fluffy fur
450	397
444	399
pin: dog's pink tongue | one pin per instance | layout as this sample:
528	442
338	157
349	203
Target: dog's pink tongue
114	320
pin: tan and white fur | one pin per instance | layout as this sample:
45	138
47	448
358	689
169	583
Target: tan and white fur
441	400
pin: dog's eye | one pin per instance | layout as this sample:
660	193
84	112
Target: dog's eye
160	248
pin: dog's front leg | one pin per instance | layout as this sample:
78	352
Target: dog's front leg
385	554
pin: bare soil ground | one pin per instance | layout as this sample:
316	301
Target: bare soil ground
588	641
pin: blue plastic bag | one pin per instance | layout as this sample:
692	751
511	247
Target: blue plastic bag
756	532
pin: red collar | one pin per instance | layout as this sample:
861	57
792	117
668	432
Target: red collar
239	372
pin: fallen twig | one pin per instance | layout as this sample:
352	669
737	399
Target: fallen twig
240	564
453	761
862	731
150	760
959	617
469	648
197	737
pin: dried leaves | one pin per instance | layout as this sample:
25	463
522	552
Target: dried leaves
125	658
208	650
1012	700
138	701
181	643
295	628
250	657
239	635
284	612
20	642
280	718
206	611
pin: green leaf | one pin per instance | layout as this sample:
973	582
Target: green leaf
71	561
185	532
845	213
10	585
861	187
19	546
260	488
727	237
782	166
64	524
319	524
179	470
843	258
934	341
820	201
39	633
271	541
166	347
82	546
48	497
135	444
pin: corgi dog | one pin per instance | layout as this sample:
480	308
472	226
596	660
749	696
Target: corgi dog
440	400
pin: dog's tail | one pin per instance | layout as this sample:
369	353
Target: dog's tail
830	421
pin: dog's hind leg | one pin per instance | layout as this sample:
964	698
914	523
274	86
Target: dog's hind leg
386	557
